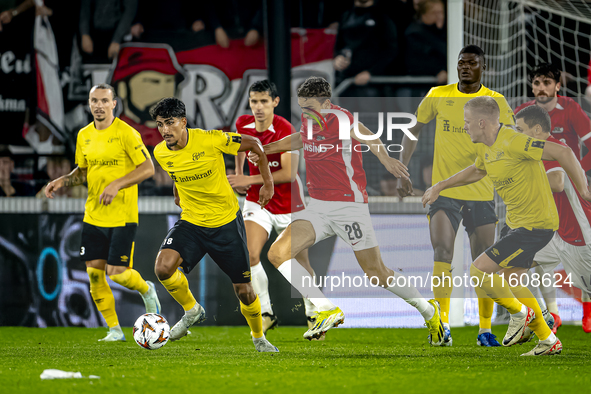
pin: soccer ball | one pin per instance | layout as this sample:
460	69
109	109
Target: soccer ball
151	331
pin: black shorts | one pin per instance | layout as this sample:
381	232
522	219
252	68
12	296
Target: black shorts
114	244
474	213
517	247
226	245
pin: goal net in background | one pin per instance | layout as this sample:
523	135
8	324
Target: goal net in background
515	36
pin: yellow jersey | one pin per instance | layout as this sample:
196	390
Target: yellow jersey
514	165
454	150
107	155
199	173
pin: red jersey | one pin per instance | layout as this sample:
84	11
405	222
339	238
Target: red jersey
288	197
570	125
573	211
334	167
150	136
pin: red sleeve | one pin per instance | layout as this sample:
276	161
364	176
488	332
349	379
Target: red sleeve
522	106
581	124
550	164
240	123
284	129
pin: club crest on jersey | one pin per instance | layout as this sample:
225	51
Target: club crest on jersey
558	130
320	137
198	155
113	139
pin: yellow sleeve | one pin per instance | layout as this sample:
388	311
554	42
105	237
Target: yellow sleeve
479	163
80	158
520	146
134	146
226	142
427	109
506	117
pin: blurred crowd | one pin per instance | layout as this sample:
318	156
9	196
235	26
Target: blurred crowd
373	38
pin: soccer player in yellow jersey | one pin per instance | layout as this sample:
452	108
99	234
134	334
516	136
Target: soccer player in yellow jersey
211	221
112	159
513	162
473	203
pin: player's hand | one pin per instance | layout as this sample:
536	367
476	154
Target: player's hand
241	190
6	17
109	194
53	186
362	78
340	63
404	187
265	194
395	167
239	181
253	158
137	30
113	50
87	45
431	195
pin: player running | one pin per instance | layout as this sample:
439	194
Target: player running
211	221
336	183
268	127
571	126
571	244
113	160
513	163
474	204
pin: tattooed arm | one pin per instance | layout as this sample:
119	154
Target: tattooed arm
74	178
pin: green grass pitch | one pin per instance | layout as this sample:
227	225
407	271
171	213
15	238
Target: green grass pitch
223	360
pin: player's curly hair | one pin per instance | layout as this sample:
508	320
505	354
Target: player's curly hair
547	70
170	107
315	87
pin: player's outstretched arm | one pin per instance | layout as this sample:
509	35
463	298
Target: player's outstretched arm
287	174
74	178
239	168
465	177
254	145
408	147
140	173
568	161
394	167
289	143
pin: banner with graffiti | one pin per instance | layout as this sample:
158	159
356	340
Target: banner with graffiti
212	81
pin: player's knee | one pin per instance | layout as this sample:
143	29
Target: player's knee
245	293
163	269
254	259
443	253
278	254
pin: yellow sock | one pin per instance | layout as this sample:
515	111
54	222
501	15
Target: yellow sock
131	279
496	288
486	307
538	325
252	313
442	293
178	287
102	295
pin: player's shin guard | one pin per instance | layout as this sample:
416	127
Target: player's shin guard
102	295
260	284
442	287
252	314
496	288
486	307
304	283
538	325
411	295
178	287
132	280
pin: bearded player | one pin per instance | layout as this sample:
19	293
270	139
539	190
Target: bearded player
571	126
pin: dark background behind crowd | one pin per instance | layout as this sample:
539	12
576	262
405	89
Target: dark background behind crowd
373	38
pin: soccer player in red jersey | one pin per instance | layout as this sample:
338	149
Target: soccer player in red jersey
268	127
338	206
571	244
571	126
